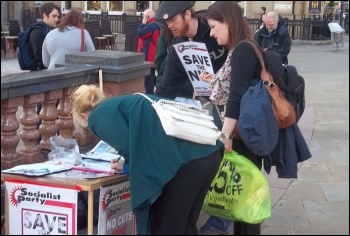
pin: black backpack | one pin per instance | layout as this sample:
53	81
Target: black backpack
293	87
288	79
23	55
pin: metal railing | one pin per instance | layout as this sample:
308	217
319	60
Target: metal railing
304	29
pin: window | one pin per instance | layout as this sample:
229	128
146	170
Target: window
141	6
115	5
67	5
93	6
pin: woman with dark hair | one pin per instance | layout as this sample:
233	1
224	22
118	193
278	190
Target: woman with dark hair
230	28
66	38
261	20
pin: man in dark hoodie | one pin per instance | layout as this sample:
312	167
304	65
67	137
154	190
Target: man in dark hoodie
185	25
50	15
274	35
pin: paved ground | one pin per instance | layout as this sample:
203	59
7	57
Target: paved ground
317	202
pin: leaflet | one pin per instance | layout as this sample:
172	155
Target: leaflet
36	169
102	151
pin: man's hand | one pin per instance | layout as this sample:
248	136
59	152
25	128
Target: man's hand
145	19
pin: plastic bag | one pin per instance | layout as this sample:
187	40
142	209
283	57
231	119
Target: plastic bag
239	191
64	150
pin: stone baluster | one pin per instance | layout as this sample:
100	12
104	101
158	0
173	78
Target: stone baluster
84	138
30	134
9	137
48	115
65	121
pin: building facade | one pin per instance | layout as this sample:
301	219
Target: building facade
13	10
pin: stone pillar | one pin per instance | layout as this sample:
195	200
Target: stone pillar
65	121
122	73
30	134
9	137
48	115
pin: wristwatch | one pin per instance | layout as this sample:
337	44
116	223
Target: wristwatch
226	136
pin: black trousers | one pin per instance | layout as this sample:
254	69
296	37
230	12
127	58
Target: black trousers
150	82
177	209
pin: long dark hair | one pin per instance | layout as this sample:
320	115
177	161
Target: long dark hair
73	18
231	13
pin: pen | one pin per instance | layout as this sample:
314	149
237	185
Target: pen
118	159
93	170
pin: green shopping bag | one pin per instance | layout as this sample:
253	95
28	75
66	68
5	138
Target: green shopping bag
239	191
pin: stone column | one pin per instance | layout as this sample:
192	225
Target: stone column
9	137
122	73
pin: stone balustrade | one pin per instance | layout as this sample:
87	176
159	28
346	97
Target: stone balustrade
123	73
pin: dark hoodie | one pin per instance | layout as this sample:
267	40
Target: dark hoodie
36	38
175	82
279	40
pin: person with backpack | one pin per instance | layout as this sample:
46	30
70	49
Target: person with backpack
241	69
274	35
69	37
50	15
148	33
187	24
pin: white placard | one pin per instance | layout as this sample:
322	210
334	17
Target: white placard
41	210
195	58
115	214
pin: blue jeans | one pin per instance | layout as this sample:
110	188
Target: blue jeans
218	223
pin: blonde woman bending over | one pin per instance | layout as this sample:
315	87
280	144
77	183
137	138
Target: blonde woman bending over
169	177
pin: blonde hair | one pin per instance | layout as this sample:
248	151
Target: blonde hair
85	98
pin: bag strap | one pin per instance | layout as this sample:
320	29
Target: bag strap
265	75
145	96
82	48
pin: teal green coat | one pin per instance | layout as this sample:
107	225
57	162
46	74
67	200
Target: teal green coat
130	124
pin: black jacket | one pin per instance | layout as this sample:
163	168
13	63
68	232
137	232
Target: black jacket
291	149
279	40
175	81
36	39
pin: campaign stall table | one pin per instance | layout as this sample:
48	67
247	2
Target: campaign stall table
60	185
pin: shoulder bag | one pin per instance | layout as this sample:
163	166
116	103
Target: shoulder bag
82	47
185	121
282	108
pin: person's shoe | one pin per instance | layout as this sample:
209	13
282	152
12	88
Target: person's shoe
210	230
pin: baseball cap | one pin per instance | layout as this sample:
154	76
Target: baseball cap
169	9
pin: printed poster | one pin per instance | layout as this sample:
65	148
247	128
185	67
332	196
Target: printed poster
315	7
41	210
195	59
116	217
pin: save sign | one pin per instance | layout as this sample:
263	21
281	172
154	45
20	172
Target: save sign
195	59
41	210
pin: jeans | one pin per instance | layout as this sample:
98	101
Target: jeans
150	81
219	223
